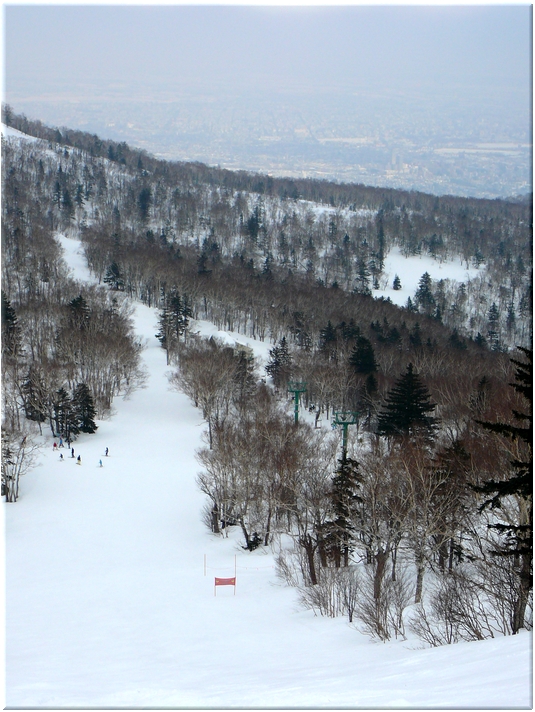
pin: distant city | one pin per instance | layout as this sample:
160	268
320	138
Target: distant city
426	142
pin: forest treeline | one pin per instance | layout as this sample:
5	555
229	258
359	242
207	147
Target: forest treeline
293	263
337	233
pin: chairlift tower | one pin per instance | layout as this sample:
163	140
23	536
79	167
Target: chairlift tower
296	387
345	418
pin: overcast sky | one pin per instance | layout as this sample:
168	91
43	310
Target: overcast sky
464	47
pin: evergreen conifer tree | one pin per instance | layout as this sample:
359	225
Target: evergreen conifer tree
253	224
328	340
362	282
173	319
424	298
79	196
415	337
83	409
339	530
34	396
380	241
480	340
407	408
493	329
349	331
66	206
410	305
280	361
362	357
511	318
79	313
144	202
202	262
367	394
114	277
65	420
11	334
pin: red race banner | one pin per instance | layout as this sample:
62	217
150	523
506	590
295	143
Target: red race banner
225	581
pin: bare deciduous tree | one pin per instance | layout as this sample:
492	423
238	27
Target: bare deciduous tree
19	453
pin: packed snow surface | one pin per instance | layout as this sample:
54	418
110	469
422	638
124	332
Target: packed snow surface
110	589
410	270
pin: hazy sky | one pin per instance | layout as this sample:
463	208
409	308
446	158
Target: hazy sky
464	47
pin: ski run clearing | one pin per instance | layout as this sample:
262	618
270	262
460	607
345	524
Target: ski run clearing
110	588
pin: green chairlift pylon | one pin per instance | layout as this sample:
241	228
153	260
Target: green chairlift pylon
296	387
345	418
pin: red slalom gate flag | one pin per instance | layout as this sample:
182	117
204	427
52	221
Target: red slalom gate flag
225	582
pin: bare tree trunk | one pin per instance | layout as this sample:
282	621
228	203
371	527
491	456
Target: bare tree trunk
215	520
380	564
525	584
309	547
336	552
245	533
322	553
420	569
452	551
346	555
268	528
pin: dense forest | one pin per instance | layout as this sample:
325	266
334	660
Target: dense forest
419	483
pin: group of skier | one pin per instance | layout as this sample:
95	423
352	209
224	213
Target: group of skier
79	458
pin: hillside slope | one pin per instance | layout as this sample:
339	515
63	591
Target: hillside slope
109	605
337	234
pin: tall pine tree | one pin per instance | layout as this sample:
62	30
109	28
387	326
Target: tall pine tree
280	362
339	530
83	409
34	396
173	320
424	298
407	408
362	357
65	420
329	341
114	277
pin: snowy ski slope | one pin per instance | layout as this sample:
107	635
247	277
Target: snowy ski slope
109	604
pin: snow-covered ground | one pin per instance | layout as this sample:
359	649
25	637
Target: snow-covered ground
410	270
10	132
110	590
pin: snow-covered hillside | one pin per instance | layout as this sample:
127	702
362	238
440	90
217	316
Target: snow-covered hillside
10	132
110	589
410	270
335	240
